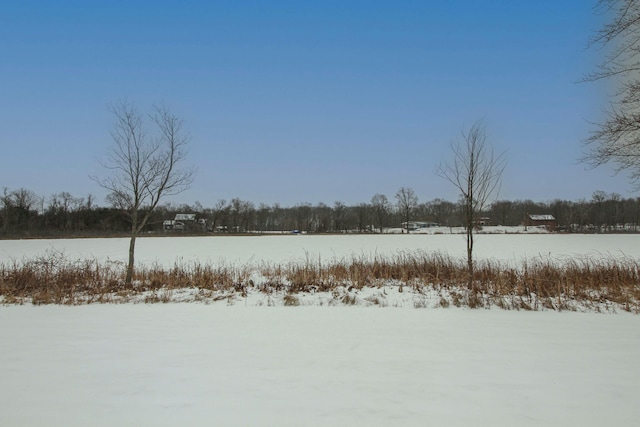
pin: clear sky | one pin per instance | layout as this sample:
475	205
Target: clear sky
295	101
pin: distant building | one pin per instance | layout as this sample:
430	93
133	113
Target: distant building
185	217
418	225
184	222
171	225
483	221
547	221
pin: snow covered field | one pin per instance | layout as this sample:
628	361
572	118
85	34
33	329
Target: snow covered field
282	249
200	365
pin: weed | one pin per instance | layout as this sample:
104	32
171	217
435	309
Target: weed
348	299
291	300
596	284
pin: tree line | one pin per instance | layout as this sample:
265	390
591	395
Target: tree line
25	214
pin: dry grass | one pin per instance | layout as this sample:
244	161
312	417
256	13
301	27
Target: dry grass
592	284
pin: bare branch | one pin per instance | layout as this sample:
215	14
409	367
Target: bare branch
617	138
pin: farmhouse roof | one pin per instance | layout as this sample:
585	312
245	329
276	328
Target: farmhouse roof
542	218
185	217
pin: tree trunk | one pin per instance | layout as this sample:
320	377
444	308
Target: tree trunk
470	284
407	219
470	253
132	248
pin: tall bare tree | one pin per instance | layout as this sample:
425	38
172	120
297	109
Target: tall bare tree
616	138
218	213
381	207
144	168
407	202
339	212
476	172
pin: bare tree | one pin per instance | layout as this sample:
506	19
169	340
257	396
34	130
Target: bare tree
407	202
362	215
381	206
476	172
339	212
144	168
219	212
17	207
241	213
617	137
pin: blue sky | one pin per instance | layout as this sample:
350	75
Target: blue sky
290	101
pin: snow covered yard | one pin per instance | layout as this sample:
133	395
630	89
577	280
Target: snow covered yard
202	365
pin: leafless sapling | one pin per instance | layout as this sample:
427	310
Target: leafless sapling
476	172
144	168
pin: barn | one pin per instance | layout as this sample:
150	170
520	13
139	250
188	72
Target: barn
547	221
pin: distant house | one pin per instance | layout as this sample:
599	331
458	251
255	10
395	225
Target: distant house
418	225
483	221
183	222
547	221
172	225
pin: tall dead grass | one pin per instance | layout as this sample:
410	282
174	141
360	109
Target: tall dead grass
534	285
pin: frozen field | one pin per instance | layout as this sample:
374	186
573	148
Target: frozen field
281	249
200	365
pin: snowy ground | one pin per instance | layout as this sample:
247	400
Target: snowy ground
199	365
282	249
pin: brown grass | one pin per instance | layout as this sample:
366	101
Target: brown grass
591	284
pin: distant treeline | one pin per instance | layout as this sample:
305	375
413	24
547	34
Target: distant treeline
25	214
